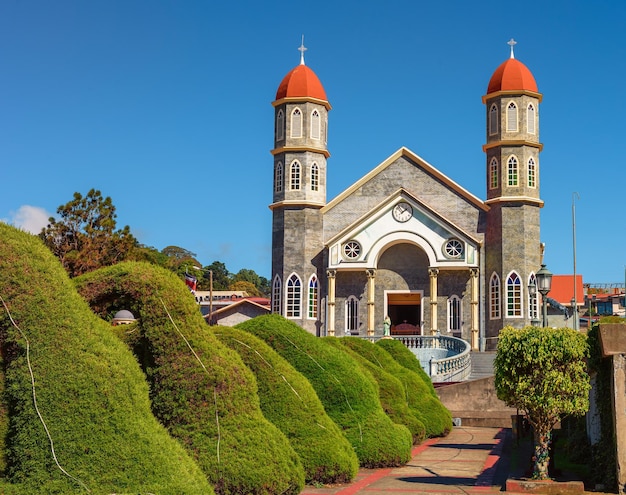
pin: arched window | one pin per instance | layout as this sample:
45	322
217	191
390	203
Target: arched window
294	176
530	118
315	177
352	316
315	124
454	314
532	173
533	299
511	117
280	125
493	174
296	123
276	295
494	297
512	171
493	120
278	180
513	296
312	298
294	297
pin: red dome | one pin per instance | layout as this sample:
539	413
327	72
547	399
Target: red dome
512	75
301	82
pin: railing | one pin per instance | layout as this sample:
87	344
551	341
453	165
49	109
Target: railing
445	359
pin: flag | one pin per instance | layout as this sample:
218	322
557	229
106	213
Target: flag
192	282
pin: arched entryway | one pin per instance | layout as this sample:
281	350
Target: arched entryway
402	283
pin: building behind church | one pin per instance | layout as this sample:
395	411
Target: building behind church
405	240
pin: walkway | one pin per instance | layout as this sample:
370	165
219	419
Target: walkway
467	461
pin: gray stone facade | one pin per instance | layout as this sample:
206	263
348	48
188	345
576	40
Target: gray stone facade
405	240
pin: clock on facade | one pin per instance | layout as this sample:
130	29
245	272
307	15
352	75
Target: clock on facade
402	212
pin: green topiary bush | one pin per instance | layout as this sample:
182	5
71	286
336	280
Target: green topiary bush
201	390
421	395
90	393
289	401
350	399
393	396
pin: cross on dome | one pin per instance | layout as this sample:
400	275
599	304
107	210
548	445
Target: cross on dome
302	49
511	43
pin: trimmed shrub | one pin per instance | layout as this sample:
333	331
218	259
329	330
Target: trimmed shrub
349	397
289	401
201	391
421	395
391	391
90	393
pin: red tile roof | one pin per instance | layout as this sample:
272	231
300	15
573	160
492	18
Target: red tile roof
563	289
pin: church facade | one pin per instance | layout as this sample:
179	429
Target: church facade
405	241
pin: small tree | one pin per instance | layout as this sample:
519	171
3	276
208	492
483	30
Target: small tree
542	372
84	238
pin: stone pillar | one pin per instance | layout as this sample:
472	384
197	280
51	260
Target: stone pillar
474	308
371	286
619	418
330	275
433	272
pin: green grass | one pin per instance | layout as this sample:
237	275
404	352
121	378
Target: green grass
349	395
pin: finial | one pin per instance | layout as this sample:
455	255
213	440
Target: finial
512	43
302	49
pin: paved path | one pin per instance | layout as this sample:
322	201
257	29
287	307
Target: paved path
467	461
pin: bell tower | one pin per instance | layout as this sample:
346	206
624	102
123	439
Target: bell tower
299	192
512	177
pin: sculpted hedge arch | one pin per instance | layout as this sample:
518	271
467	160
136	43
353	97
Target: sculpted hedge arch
201	390
90	393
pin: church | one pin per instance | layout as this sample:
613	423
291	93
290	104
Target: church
405	247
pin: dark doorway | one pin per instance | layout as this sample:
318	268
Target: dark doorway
404	310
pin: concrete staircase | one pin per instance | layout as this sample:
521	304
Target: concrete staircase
474	402
482	364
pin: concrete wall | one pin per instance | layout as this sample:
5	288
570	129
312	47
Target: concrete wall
476	403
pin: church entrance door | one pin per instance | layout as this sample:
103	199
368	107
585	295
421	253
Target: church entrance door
405	311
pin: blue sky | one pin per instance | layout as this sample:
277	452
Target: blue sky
165	106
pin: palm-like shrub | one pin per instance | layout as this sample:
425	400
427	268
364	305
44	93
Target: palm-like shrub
421	395
349	397
90	393
289	401
201	390
392	393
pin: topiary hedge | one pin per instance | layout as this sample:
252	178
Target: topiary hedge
349	397
289	401
421	395
90	394
393	396
201	390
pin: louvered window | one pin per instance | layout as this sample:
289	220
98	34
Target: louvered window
511	117
530	116
280	125
493	120
315	125
296	123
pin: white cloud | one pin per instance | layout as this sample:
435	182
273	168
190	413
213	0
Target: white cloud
30	218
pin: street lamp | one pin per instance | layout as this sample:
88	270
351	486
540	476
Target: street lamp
544	284
532	293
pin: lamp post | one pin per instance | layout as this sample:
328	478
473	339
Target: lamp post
544	284
532	293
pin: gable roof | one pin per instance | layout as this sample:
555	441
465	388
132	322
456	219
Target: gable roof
405	152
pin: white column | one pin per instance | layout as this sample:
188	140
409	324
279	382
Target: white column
371	286
433	272
330	275
474	308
